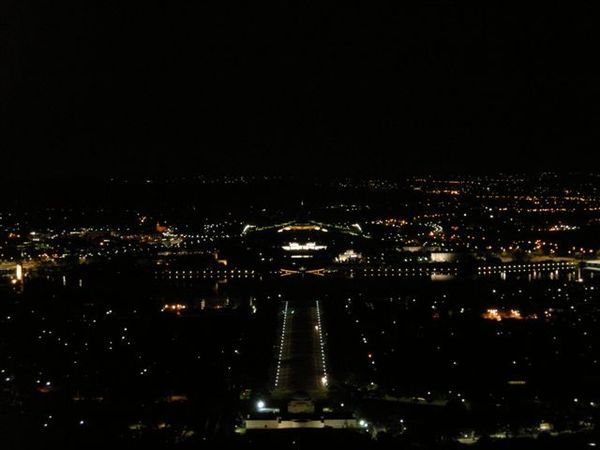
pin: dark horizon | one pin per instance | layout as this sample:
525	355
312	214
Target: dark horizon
29	180
97	90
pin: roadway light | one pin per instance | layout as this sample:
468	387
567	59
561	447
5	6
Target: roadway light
260	404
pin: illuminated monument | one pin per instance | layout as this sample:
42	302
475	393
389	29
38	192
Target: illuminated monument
304	246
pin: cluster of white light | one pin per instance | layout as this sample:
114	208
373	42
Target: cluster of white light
19	272
206	274
302	228
348	255
405	272
324	378
309	246
248	228
280	356
527	267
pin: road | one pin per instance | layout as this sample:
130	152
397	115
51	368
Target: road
300	359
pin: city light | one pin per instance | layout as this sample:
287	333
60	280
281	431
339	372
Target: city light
308	246
462	297
19	273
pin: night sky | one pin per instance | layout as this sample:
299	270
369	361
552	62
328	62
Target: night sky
103	88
